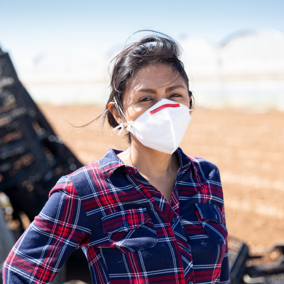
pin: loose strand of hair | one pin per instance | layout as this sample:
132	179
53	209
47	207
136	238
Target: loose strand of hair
92	121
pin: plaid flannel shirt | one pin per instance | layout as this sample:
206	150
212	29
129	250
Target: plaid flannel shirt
127	229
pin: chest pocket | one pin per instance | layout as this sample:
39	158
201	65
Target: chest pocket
213	222
130	230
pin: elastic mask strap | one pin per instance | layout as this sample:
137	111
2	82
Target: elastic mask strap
123	124
104	111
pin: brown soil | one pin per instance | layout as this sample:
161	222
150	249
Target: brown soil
247	148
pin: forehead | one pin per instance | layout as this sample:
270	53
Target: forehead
155	76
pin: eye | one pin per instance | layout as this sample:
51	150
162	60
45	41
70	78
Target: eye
175	95
145	99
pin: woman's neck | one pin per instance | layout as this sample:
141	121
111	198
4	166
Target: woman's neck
149	162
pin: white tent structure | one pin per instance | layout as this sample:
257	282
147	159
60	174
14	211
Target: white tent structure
253	69
253	55
245	70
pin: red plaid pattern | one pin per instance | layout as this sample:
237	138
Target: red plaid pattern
127	229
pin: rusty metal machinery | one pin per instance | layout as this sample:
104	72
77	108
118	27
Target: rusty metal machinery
238	255
32	157
266	267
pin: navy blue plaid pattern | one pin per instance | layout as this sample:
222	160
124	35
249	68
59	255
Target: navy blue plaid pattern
127	229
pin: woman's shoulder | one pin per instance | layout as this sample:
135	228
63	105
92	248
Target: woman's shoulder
201	166
195	161
70	184
205	168
202	162
91	177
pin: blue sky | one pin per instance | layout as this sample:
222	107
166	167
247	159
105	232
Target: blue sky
31	27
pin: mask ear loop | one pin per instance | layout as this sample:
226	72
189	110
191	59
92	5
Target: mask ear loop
123	124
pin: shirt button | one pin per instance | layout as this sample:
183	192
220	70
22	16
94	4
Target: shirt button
126	223
190	282
186	249
175	219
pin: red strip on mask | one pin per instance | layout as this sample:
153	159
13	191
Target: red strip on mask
162	107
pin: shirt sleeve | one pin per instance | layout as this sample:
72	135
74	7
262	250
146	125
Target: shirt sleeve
225	269
46	244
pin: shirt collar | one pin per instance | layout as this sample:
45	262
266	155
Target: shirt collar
184	160
110	162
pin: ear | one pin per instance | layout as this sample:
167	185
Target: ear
190	98
114	112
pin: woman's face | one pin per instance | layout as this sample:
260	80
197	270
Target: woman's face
151	84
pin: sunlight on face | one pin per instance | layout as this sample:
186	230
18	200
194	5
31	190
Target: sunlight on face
151	84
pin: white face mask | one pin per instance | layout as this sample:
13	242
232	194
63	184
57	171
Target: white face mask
161	127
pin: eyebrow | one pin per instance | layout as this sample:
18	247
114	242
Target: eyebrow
147	90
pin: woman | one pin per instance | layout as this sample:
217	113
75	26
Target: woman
149	214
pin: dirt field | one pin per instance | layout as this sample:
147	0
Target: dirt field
247	148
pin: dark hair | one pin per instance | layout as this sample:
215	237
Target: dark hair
147	51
